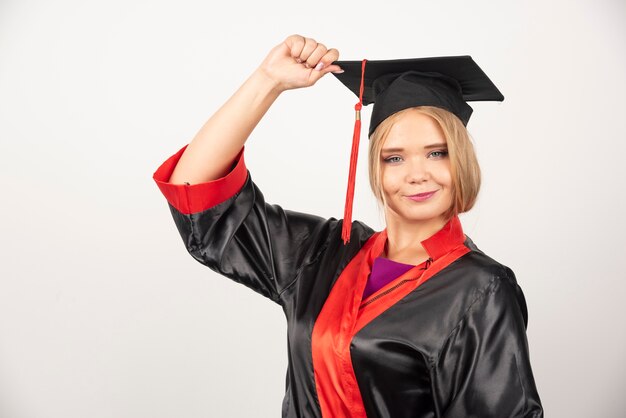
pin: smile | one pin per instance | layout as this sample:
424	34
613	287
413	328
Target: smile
420	197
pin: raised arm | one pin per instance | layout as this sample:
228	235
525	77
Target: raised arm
221	214
294	63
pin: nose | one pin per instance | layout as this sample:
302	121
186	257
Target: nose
417	172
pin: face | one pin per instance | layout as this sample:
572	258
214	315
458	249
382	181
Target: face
415	169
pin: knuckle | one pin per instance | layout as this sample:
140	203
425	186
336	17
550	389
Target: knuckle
318	55
295	43
329	58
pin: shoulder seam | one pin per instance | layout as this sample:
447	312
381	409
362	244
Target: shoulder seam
486	290
303	266
338	227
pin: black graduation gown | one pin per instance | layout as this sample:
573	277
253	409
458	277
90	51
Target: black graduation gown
449	341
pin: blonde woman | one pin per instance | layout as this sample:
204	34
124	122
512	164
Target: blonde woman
412	321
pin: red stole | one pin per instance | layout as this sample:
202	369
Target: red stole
345	313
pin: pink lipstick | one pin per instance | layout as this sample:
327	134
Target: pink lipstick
420	197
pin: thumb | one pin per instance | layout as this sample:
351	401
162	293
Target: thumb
333	68
317	74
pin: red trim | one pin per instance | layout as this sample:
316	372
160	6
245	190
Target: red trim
342	316
199	197
445	239
336	385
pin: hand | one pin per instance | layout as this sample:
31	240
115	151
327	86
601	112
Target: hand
292	64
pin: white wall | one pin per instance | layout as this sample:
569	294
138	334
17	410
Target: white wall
102	311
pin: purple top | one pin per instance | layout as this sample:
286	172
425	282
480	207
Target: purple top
383	272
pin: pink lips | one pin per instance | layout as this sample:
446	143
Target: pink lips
420	197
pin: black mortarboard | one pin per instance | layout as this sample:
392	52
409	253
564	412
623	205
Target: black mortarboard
395	85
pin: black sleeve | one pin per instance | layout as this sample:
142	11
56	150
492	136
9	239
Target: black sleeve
483	369
255	243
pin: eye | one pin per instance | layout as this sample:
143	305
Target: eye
393	159
439	154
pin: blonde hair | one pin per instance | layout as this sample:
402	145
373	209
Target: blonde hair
464	166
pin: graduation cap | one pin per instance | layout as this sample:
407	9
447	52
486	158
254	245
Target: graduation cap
395	85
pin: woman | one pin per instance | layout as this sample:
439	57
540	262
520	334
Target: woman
412	321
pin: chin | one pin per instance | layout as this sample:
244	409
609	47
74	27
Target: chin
411	212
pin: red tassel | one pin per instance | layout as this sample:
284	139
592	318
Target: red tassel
347	217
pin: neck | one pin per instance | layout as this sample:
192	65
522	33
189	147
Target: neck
404	239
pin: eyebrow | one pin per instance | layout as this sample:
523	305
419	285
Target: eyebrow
426	147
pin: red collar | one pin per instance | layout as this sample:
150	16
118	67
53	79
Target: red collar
440	243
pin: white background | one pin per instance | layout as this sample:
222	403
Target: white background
102	311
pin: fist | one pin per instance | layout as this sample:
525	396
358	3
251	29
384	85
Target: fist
299	62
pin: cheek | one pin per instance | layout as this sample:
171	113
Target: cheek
448	180
444	176
384	179
389	181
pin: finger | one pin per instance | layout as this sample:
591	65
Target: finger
327	60
295	43
316	55
308	49
333	69
331	56
327	68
